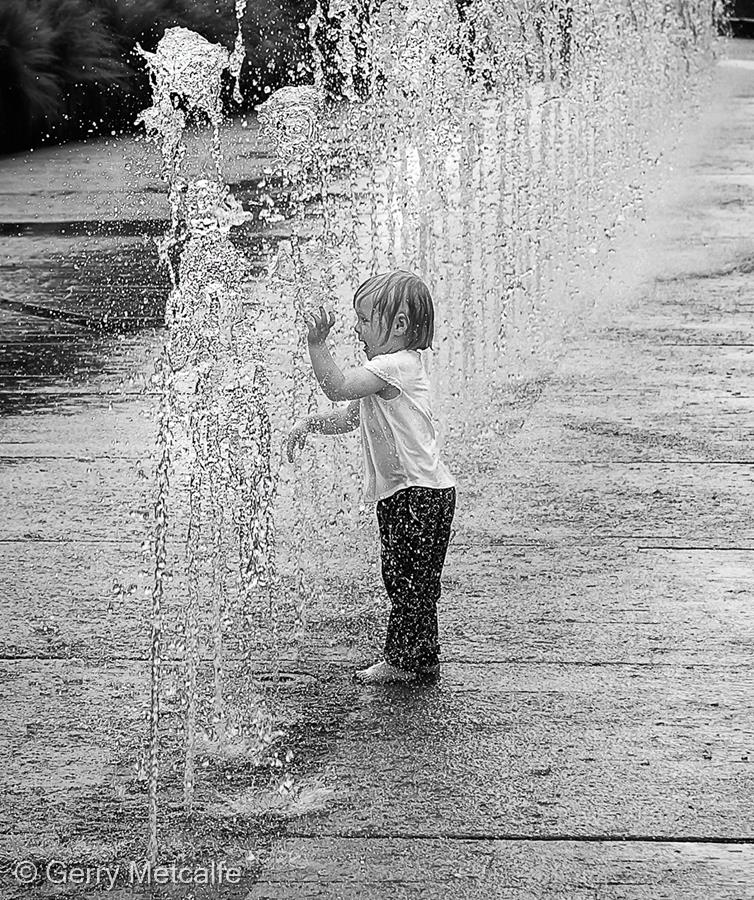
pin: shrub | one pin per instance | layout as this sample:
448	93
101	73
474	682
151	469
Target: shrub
30	88
68	67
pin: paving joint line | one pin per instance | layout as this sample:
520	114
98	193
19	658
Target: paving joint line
515	836
335	665
555	461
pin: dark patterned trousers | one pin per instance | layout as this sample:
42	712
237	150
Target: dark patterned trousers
414	534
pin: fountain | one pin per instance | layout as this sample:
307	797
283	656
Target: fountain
494	149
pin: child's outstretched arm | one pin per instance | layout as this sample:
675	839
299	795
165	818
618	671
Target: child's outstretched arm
337	385
339	421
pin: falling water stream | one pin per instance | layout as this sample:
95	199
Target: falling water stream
211	378
493	148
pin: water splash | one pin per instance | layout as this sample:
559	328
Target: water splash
185	73
214	435
291	118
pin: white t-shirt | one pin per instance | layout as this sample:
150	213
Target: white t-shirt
399	436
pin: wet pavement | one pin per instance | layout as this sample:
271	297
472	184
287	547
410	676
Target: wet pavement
593	731
78	256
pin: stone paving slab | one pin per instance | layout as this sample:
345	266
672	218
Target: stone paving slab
508	869
477	870
500	604
113	180
597	498
531	748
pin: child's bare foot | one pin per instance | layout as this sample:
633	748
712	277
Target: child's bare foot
384	673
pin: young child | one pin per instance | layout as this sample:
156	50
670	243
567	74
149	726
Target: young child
414	492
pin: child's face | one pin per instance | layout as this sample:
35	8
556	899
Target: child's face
369	328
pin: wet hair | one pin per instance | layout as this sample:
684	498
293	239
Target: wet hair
401	289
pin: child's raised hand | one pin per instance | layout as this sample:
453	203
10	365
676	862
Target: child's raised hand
319	324
297	438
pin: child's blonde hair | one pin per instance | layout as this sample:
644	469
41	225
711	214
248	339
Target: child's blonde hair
399	289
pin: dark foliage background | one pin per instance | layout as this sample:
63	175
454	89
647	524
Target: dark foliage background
68	70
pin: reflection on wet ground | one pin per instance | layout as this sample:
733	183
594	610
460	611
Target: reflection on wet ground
99	283
79	268
59	295
49	363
